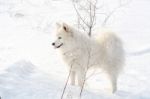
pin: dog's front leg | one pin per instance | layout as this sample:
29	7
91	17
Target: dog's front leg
72	77
81	78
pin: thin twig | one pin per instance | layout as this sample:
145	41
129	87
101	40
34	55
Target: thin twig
112	12
79	15
93	74
66	81
88	62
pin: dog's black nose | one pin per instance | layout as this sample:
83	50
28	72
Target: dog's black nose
53	44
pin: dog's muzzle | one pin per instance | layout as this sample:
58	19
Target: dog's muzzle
57	46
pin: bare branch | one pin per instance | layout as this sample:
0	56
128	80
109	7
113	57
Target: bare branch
87	23
93	75
88	63
67	80
112	12
79	15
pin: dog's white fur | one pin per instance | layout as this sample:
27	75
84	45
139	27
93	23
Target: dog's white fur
82	52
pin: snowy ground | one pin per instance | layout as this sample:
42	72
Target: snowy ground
31	69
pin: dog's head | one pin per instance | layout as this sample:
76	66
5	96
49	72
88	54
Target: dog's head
64	34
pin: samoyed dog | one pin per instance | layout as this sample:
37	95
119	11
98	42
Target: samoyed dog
82	52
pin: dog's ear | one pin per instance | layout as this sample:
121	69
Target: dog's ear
66	27
58	25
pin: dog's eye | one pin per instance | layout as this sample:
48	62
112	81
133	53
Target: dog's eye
59	37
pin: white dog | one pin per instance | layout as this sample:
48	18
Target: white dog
81	52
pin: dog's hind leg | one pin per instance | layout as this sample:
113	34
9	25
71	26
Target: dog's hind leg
113	79
72	77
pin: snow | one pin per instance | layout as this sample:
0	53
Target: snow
30	68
